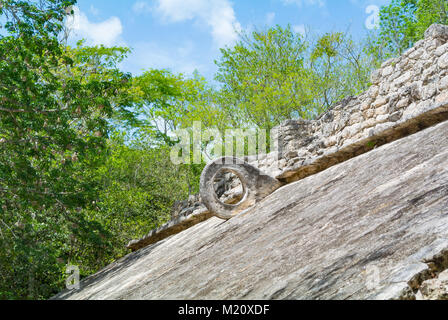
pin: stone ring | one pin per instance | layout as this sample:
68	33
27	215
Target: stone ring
256	185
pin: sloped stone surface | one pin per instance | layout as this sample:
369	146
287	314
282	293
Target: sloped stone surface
317	238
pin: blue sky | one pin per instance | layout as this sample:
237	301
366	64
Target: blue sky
185	35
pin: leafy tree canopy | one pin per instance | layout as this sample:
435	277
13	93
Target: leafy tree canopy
403	22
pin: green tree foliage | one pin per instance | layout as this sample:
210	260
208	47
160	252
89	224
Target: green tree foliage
100	64
139	187
397	25
263	77
273	75
53	130
163	99
403	22
429	12
340	68
73	190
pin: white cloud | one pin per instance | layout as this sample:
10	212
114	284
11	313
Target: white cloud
147	55
107	32
141	7
300	3
218	15
366	3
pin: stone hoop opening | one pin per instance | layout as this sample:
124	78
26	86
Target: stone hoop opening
255	186
229	178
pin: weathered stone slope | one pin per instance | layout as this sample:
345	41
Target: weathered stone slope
317	238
